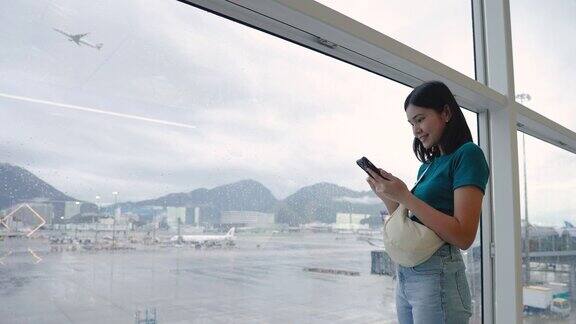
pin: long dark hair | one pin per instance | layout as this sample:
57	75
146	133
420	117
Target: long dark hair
436	95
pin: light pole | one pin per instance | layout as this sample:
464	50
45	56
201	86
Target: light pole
98	216
79	208
98	205
115	194
97	208
522	97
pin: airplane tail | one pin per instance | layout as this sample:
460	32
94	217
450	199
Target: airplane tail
568	224
231	231
99	45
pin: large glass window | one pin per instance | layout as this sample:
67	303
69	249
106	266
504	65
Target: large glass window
161	161
548	213
442	31
544	50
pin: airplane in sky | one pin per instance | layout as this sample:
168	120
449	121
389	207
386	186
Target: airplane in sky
78	39
206	240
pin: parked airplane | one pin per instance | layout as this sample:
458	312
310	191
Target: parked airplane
77	38
206	240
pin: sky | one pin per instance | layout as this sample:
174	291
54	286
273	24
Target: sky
178	99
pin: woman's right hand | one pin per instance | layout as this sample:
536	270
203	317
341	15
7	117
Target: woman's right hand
391	205
375	185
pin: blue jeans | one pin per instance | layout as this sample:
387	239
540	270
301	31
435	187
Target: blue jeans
434	292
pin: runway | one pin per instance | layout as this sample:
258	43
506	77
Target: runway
261	280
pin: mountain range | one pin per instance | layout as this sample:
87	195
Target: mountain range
315	203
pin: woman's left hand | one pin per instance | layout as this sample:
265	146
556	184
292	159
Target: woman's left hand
388	185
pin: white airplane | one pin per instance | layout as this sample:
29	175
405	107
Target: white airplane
77	38
206	240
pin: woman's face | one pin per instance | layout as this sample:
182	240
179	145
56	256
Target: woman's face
427	124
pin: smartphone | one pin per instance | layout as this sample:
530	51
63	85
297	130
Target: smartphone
365	164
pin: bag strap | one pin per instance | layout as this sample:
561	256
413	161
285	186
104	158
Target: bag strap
421	176
417	182
410	215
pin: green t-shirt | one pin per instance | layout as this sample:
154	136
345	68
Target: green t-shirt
463	167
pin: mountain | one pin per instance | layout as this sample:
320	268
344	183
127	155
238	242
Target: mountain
241	195
248	195
322	201
18	184
319	202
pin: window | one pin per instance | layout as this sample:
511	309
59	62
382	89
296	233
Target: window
543	57
420	26
549	237
140	142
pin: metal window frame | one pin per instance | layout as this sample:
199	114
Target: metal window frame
322	29
495	69
487	239
497	72
491	95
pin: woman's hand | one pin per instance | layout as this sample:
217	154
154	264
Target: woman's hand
385	185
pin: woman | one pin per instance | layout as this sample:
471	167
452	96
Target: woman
447	199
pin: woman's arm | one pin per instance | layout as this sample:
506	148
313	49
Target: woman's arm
391	205
459	230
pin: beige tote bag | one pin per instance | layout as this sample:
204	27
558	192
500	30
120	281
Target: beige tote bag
407	242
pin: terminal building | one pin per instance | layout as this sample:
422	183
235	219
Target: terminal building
175	216
350	222
71	209
247	219
182	216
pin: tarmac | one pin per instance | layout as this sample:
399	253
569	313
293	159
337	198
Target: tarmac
281	278
260	280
